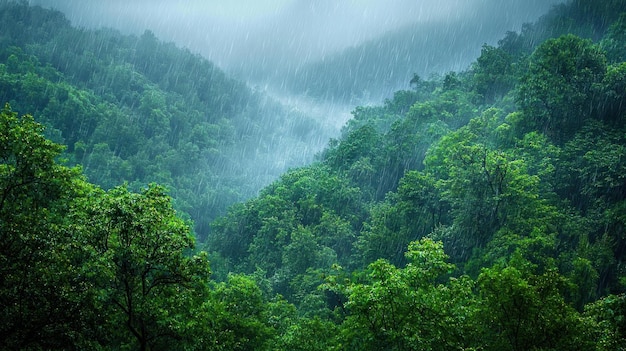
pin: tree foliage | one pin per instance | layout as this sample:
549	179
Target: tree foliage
139	110
482	210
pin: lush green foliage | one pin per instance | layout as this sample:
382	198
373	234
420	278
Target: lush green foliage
137	110
85	267
483	210
513	166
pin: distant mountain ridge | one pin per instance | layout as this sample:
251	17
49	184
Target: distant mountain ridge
373	70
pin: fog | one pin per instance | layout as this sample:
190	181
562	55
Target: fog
276	45
255	39
357	52
270	44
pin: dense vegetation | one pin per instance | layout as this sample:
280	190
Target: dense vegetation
483	210
137	110
356	74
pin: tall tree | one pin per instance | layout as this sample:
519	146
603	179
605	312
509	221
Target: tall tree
43	291
142	268
559	92
409	308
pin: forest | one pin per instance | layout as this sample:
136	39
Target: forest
138	110
482	209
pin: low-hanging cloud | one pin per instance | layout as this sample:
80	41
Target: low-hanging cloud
268	33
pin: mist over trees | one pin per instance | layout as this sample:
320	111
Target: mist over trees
358	52
482	209
138	110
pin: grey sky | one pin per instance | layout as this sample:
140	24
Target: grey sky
230	32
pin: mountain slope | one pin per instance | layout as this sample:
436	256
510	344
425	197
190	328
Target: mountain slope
137	110
483	209
373	70
490	200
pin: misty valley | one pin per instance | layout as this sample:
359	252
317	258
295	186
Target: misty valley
310	175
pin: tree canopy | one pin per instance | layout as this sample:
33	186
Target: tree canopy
480	210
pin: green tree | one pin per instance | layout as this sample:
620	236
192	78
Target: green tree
608	322
407	215
493	73
613	104
484	186
314	334
237	316
141	265
409	308
613	41
523	311
44	294
560	90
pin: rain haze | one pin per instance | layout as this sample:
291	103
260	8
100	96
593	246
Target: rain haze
261	39
283	47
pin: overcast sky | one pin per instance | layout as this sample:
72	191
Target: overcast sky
231	31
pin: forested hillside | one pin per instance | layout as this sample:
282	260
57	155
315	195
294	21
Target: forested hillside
482	210
138	110
356	73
